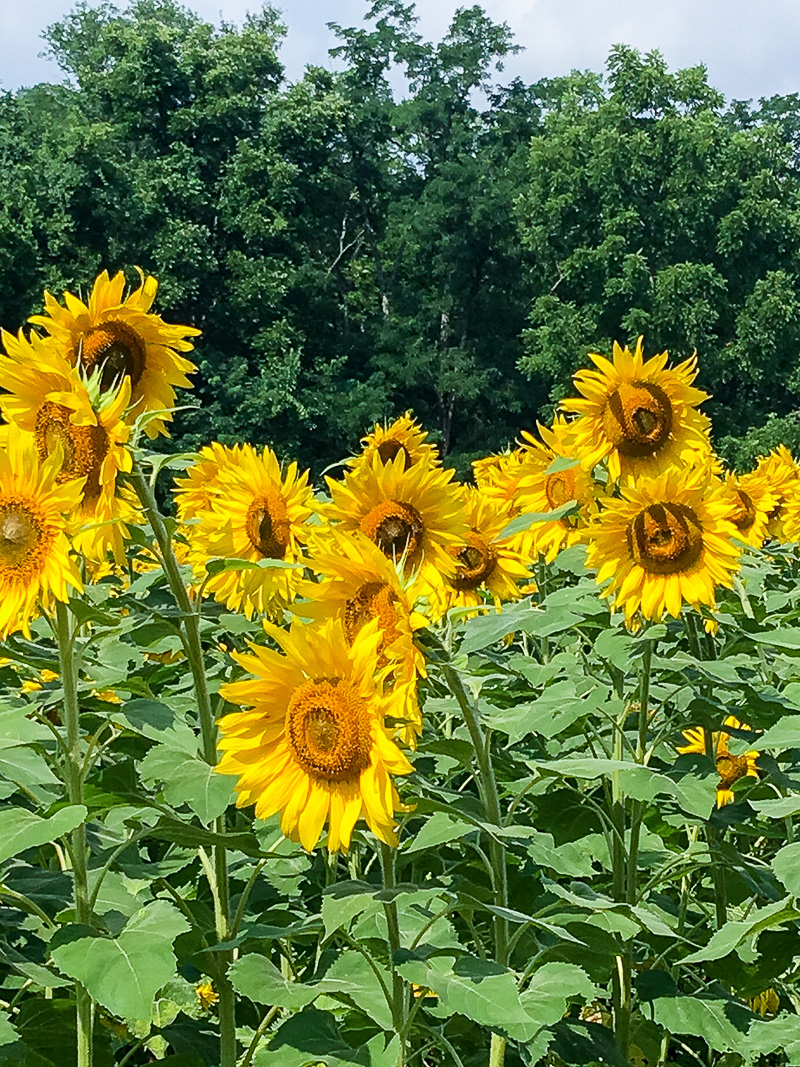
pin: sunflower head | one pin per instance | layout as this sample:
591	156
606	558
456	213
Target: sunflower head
53	402
666	541
359	586
404	437
487	563
312	743
251	511
550	485
637	414
412	514
115	338
35	565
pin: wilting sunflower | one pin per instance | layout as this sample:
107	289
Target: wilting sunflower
49	399
119	339
403	437
730	768
35	565
780	472
312	743
752	502
667	541
256	514
195	492
545	489
360	584
413	514
637	414
486	563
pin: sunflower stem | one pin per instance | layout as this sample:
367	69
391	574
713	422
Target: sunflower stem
713	840
73	768
621	981
399	996
487	786
190	636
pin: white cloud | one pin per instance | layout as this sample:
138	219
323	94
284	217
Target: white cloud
750	49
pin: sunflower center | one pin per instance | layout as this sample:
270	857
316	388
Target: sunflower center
390	448
267	526
638	418
476	563
666	538
116	351
744	512
396	528
730	769
374	600
328	730
83	447
20	535
559	488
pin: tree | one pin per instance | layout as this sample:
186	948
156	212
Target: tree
652	210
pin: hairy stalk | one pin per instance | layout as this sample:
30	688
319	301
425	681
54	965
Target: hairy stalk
190	636
73	768
621	980
713	839
711	833
399	996
487	785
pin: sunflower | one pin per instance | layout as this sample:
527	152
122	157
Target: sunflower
312	743
486	562
752	502
551	484
413	514
117	340
35	565
360	584
195	492
666	541
49	399
780	472
637	414
254	515
730	768
404	437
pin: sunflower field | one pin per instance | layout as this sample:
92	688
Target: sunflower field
391	771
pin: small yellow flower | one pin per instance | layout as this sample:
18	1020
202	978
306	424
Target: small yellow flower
206	994
730	768
767	1002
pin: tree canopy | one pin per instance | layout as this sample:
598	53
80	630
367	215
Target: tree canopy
351	250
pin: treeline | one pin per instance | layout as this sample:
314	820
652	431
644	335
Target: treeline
350	250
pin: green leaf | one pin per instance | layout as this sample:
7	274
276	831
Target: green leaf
439	829
478	989
312	1037
784	734
640	783
699	1017
545	999
7	1031
527	519
125	973
21	829
787	637
187	779
786	866
218	565
557	708
733	934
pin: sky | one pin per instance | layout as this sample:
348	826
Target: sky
750	49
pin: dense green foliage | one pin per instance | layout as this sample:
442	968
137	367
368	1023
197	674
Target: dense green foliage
351	250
